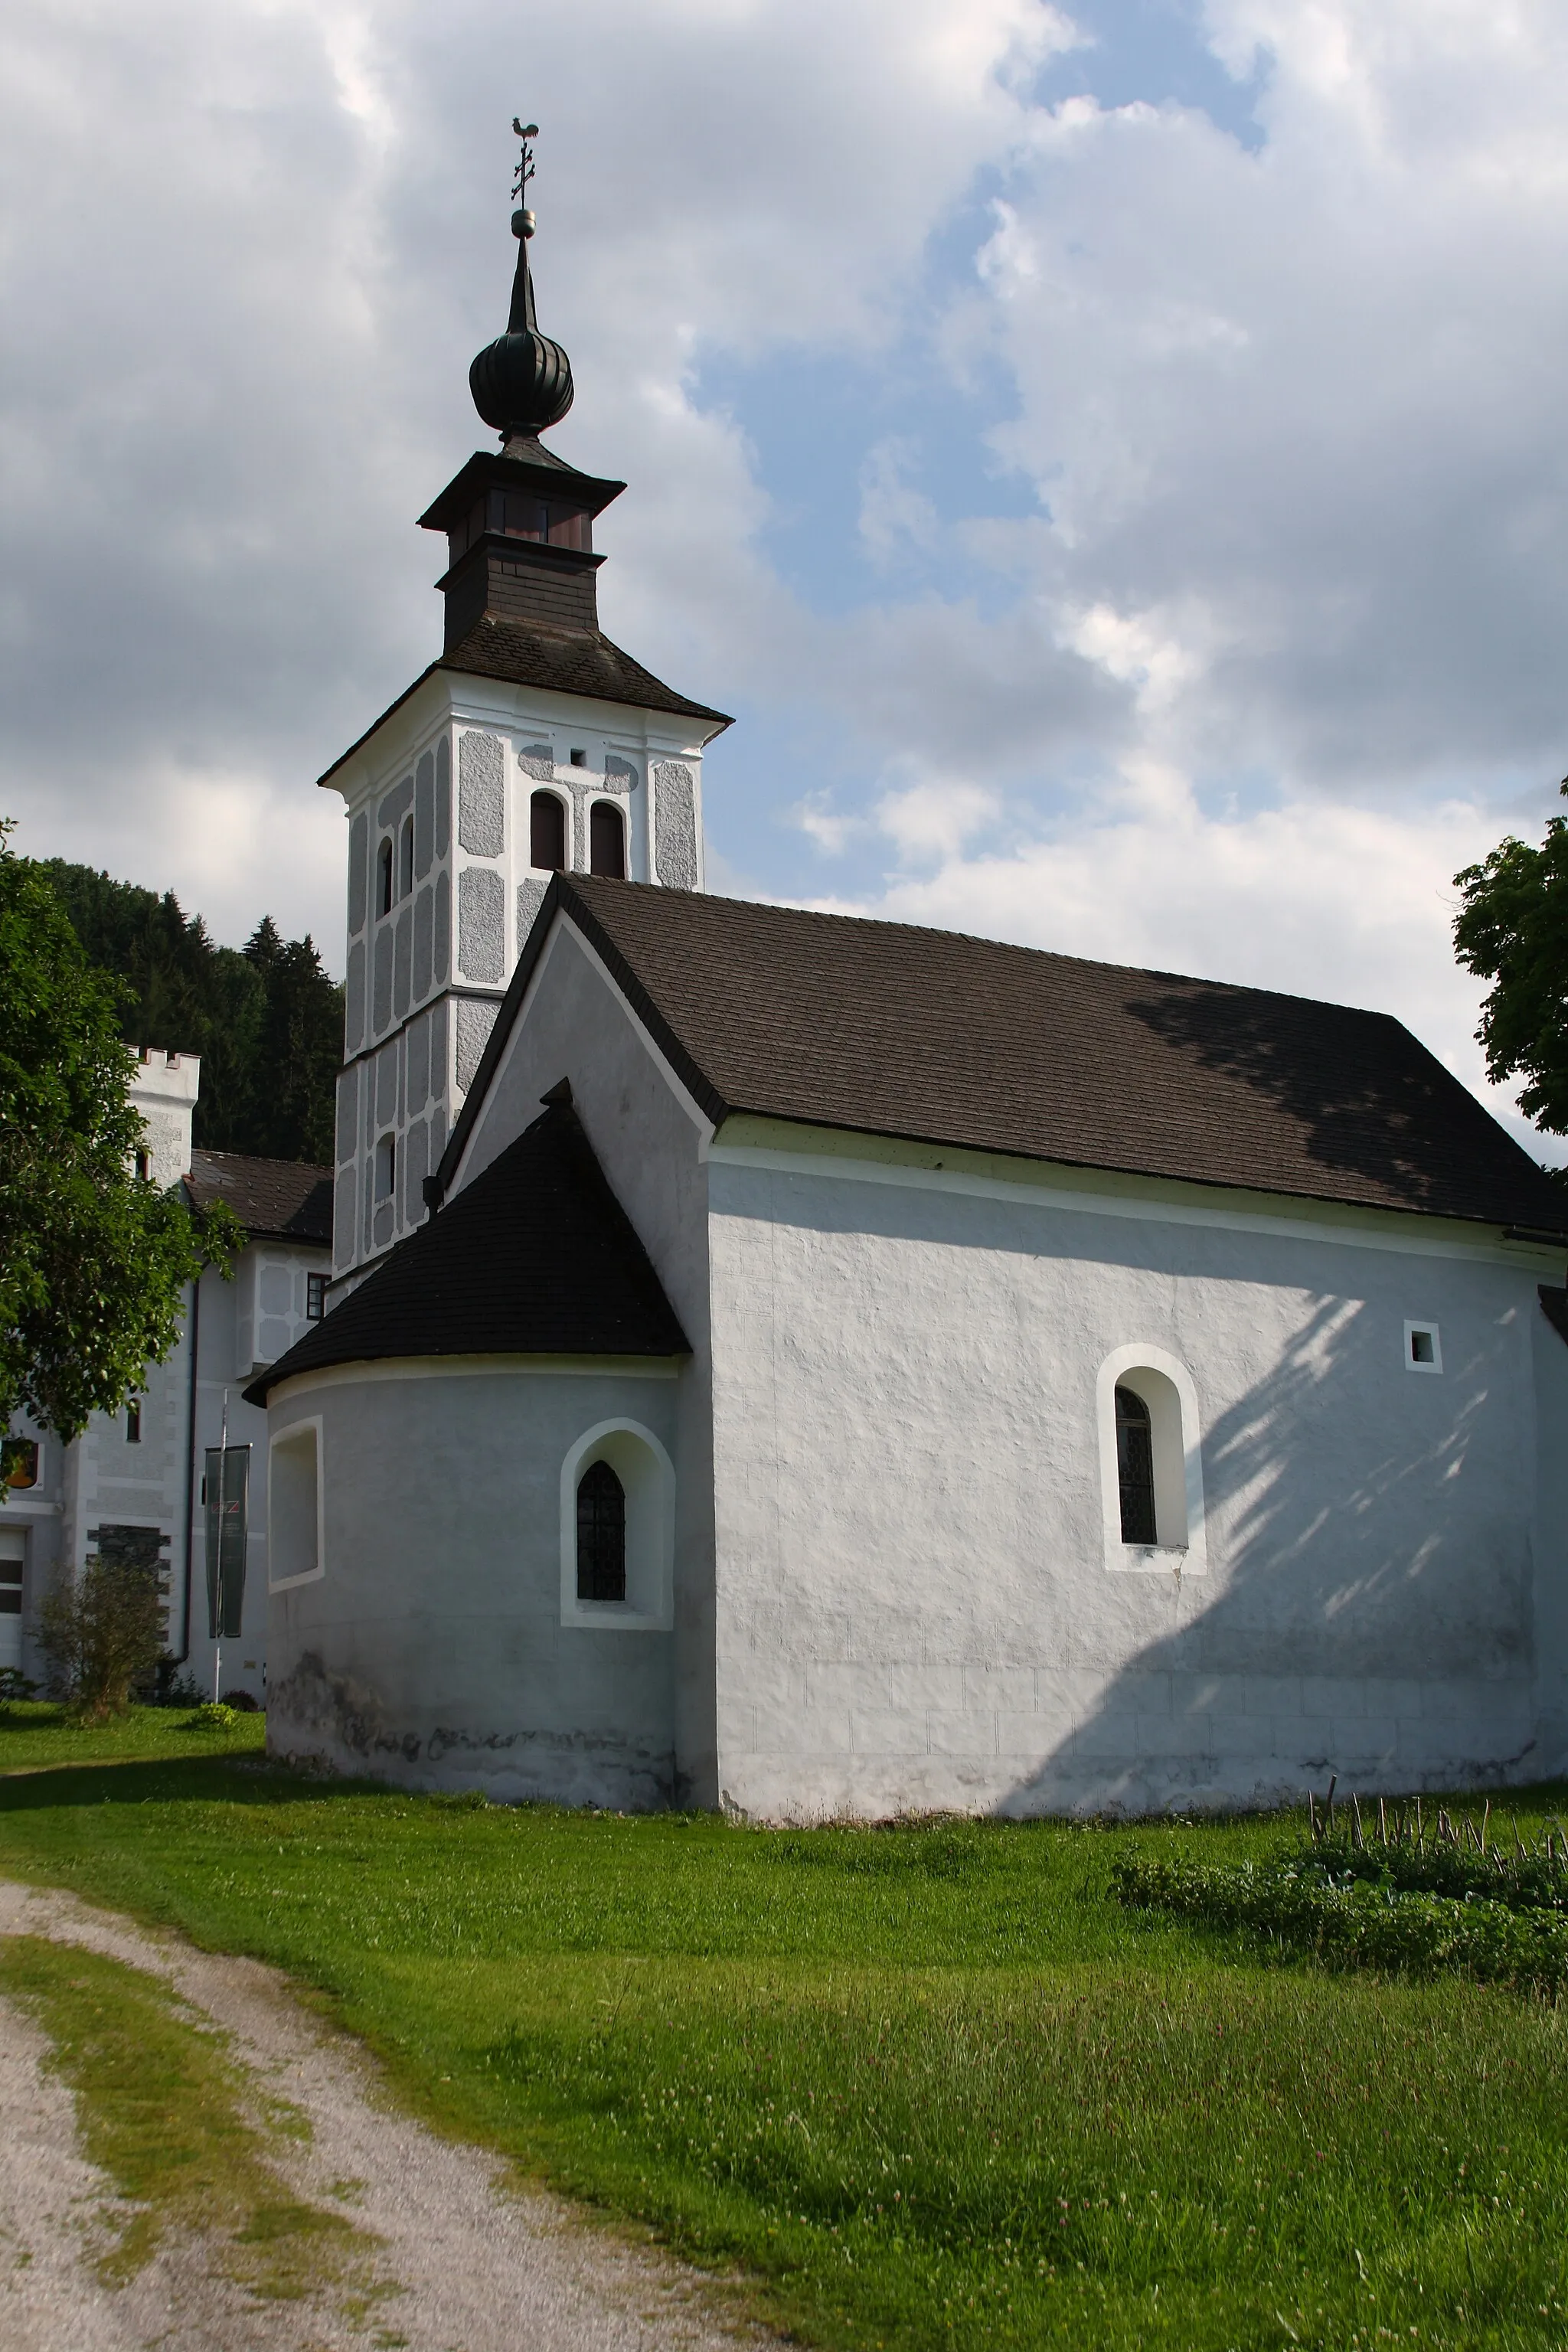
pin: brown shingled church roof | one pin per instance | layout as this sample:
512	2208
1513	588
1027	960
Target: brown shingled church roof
885	1028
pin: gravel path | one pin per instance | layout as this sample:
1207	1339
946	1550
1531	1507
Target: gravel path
467	2264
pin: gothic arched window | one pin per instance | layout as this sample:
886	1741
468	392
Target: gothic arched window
1135	1467
607	840
547	832
384	880
406	859
601	1535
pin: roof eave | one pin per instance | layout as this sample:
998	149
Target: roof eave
714	721
929	1141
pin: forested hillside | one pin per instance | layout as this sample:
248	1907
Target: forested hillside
264	1018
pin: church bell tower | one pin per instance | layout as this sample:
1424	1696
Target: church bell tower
531	744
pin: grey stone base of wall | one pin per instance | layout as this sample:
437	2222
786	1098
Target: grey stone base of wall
333	1723
509	1767
1022	1788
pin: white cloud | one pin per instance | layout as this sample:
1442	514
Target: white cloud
1273	647
934	819
894	515
1311	392
823	825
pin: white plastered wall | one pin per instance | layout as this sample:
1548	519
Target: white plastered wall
916	1604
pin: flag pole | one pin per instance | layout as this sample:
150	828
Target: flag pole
222	1507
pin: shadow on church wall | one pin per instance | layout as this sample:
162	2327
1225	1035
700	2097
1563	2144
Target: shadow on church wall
1368	1605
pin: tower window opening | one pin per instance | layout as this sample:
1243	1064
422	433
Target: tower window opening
385	1167
143	1165
315	1298
1135	1467
601	1535
607	840
406	859
384	880
547	832
133	1421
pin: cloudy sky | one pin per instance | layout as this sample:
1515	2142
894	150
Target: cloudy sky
1109	456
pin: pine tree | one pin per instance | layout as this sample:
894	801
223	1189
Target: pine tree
266	1019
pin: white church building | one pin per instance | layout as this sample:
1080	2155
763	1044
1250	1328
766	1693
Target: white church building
817	1366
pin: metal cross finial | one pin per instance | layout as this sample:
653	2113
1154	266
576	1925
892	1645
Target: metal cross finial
527	132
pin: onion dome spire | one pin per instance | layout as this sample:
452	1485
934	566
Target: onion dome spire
521	383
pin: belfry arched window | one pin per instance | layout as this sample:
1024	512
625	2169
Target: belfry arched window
547	833
1135	1467
405	858
601	1535
607	840
384	880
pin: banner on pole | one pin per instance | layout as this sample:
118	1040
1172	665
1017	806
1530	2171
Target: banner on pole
228	1488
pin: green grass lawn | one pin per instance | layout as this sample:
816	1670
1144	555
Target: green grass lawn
931	2086
35	1732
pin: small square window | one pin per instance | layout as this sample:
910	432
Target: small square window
315	1296
579	759
1423	1347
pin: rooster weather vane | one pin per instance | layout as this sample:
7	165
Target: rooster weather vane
521	383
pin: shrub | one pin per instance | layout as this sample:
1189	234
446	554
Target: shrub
174	1688
1441	1853
1301	1904
14	1683
102	1633
242	1702
213	1715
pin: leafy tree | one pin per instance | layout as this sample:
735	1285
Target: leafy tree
266	1019
1512	930
94	1261
102	1633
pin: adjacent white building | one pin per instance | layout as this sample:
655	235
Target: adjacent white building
133	1486
817	1366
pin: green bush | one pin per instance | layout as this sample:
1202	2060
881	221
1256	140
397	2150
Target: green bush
214	1715
1525	1880
1304	1904
102	1635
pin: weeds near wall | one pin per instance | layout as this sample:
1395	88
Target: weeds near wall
1417	1893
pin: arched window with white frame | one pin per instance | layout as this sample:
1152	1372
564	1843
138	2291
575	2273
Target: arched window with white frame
1151	1463
618	1530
